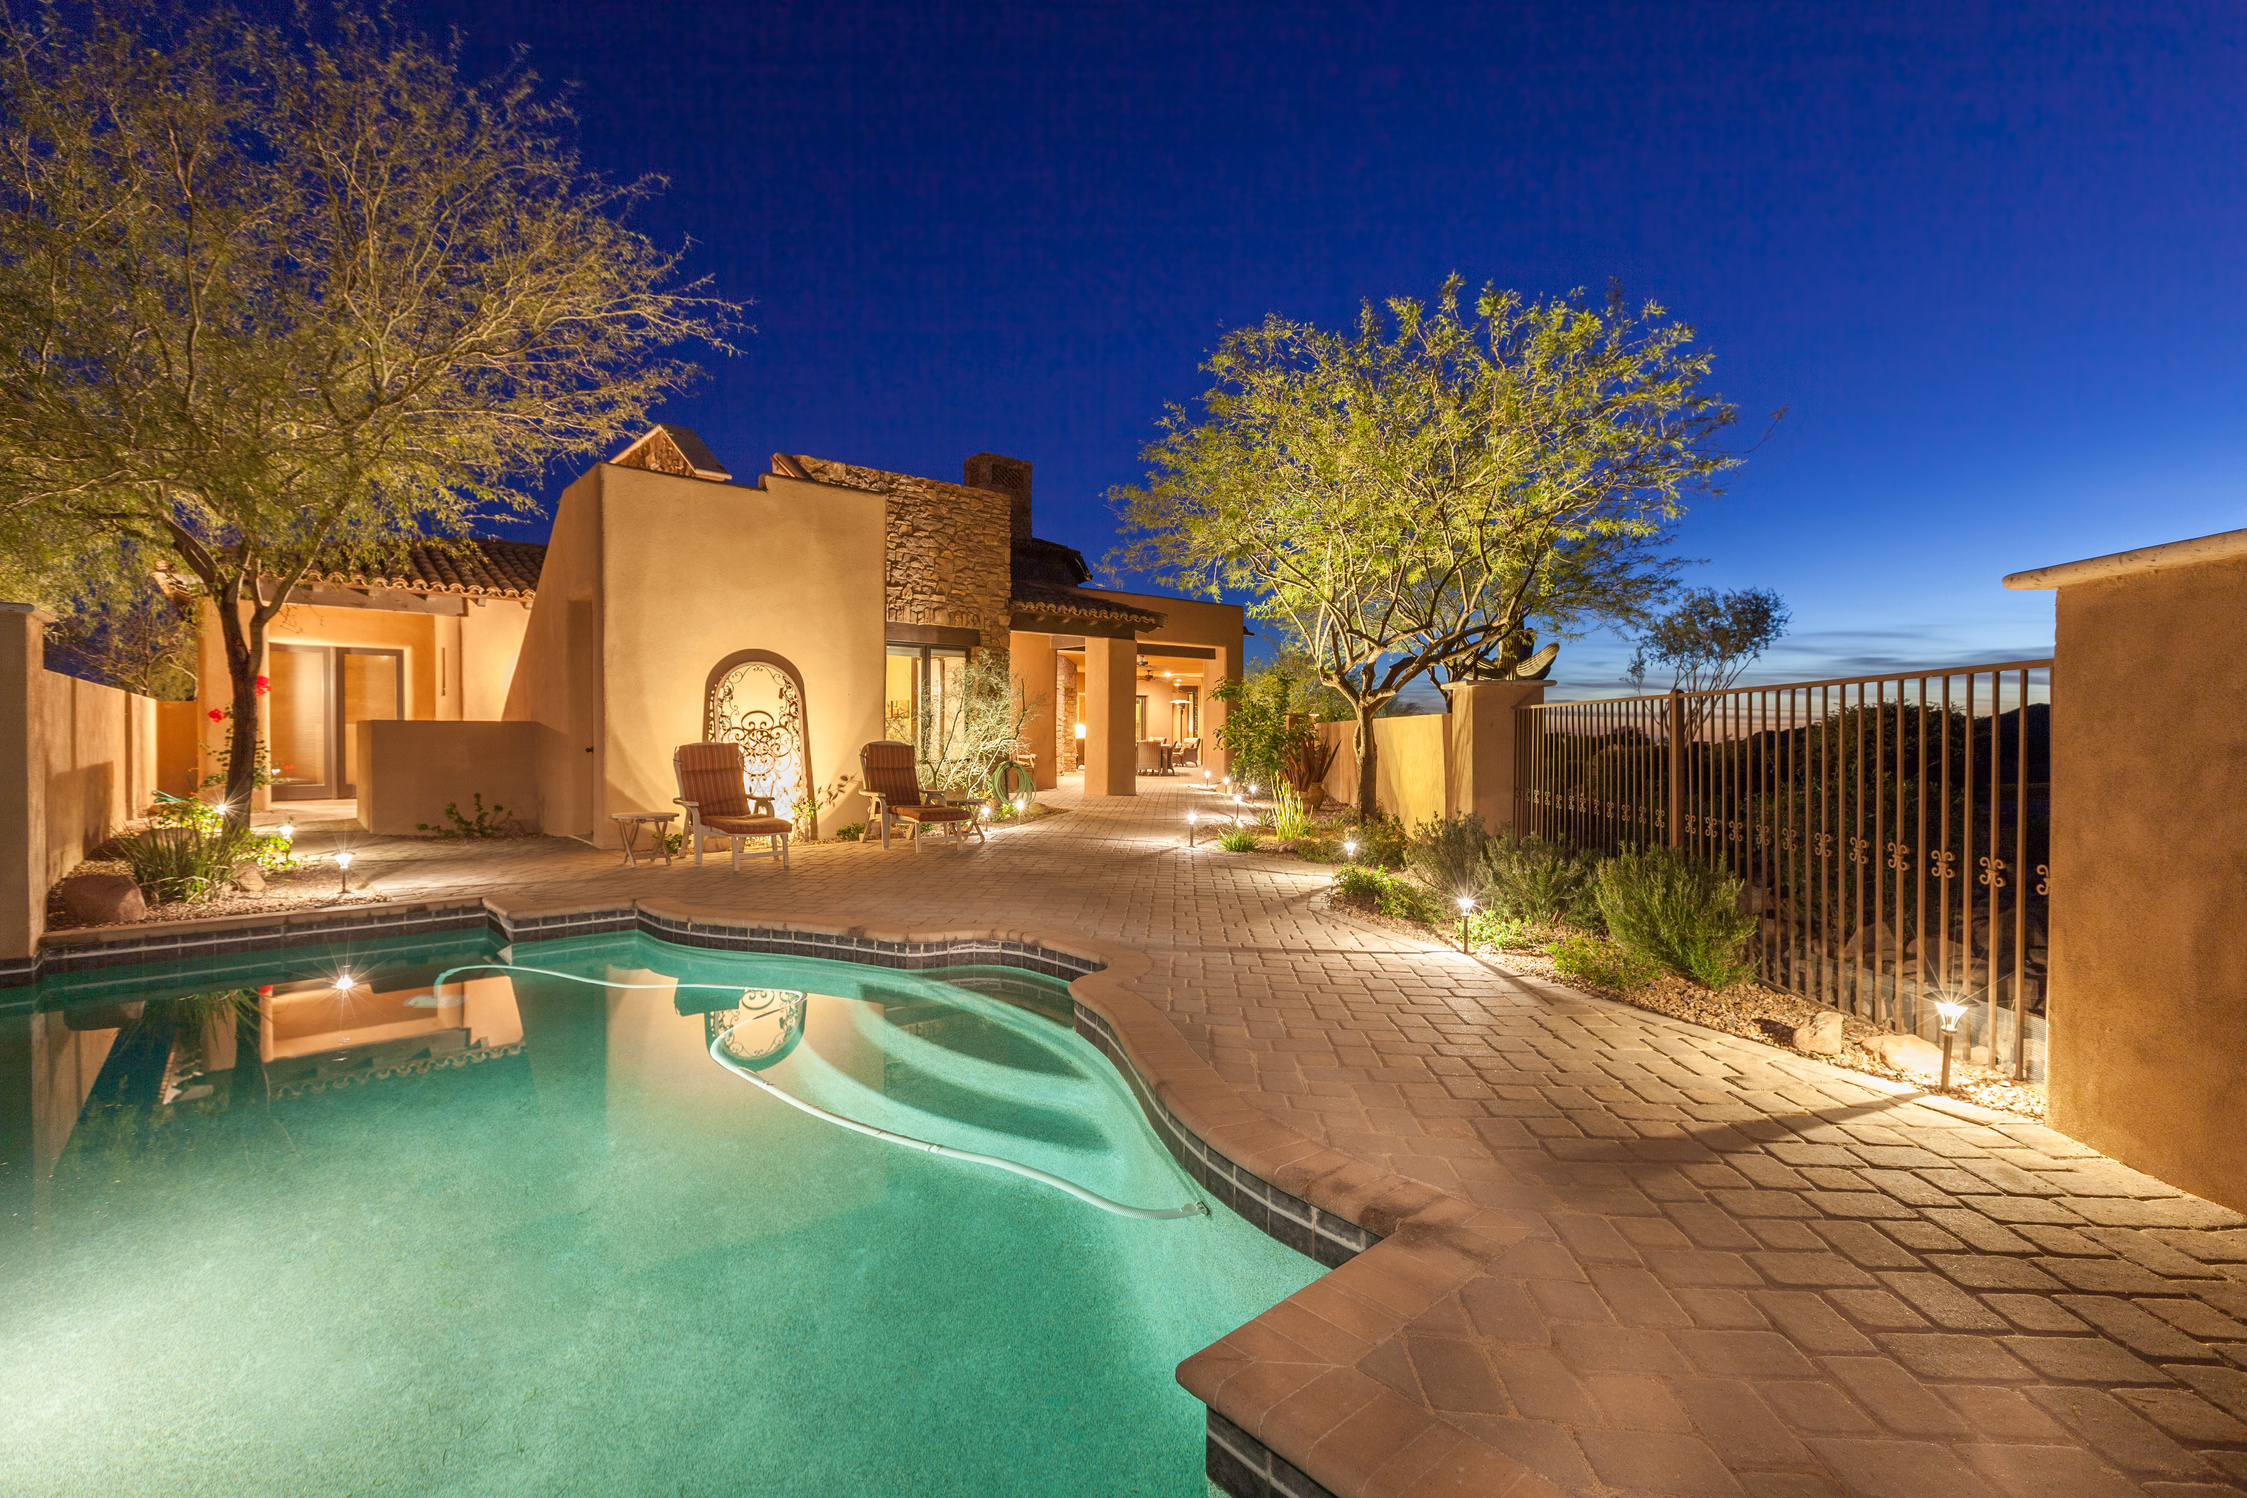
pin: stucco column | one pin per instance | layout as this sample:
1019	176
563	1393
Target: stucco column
1225	667
1031	666
1111	762
1481	762
23	784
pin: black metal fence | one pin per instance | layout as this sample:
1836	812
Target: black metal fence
1891	831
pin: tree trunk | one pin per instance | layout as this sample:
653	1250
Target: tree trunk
1369	804
242	652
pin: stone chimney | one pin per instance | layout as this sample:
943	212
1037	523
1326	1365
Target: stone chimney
1009	476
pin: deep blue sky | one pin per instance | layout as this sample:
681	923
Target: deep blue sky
1989	259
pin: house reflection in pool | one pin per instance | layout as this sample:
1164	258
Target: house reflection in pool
314	1032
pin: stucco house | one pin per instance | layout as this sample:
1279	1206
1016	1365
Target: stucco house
803	612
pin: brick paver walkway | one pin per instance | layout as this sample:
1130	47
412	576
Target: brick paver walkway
1628	1255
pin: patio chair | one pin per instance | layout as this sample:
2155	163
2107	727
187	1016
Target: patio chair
1150	757
718	803
893	785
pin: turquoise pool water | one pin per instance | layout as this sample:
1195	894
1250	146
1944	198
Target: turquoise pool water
527	1237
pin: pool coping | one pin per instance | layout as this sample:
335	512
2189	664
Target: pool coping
1290	1412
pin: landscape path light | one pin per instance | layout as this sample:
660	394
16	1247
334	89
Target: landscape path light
286	831
1192	817
1350	849
344	983
1466	904
343	872
1951	1012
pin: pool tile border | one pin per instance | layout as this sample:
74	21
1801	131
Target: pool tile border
1246	1468
1331	1240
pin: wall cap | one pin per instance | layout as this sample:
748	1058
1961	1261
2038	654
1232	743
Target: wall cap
2224	546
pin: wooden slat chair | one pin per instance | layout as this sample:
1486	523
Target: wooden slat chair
894	786
718	803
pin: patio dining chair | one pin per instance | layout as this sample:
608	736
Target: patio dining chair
718	803
893	785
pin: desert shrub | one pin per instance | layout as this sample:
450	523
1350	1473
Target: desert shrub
1596	962
1446	852
851	833
1289	819
1318	849
492	823
1381	842
1530	879
187	862
274	853
1378	889
1506	934
1355	884
1238	840
1676	913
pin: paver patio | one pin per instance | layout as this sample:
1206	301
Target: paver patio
1626	1255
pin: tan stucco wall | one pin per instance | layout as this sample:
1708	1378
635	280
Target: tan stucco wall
551	688
2149	873
651	580
415	769
1030	664
1481	762
1412	773
368	629
491	640
76	762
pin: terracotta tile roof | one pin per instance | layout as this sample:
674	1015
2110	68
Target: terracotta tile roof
474	564
1056	598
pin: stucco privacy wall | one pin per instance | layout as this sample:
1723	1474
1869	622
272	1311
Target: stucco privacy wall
651	580
2149	871
76	761
414	769
491	640
1412	765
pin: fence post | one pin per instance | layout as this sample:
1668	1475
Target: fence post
1676	775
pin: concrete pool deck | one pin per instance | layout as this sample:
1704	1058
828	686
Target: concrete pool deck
1622	1254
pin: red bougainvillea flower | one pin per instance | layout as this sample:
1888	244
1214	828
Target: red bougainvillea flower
216	715
264	685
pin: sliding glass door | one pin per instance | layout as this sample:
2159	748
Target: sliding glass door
320	694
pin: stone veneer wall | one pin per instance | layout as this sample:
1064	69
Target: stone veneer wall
950	559
1065	713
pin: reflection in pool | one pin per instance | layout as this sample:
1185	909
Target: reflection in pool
266	1235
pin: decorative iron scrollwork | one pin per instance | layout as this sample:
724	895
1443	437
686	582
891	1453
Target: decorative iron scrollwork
1939	863
758	706
1993	872
1857	847
1900	857
2043	878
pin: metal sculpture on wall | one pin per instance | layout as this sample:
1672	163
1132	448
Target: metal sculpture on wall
756	699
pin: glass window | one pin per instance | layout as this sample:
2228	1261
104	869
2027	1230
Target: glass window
926	683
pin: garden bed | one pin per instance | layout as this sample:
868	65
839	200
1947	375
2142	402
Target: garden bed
1752	1011
310	888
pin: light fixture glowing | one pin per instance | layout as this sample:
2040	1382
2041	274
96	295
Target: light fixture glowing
1466	903
286	831
343	872
343	860
1192	819
1951	1011
344	983
1350	847
1080	730
985	814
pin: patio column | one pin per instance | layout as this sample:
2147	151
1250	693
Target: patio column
1030	661
1111	763
1482	747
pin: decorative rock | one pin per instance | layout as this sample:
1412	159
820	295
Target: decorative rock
250	879
1820	1035
1907	1053
103	899
1979	1055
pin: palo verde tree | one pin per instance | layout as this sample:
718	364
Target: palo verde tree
1410	493
269	293
1708	638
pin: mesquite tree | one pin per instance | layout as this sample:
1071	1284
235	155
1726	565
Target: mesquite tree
1413	492
268	293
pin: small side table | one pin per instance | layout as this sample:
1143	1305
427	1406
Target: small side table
628	825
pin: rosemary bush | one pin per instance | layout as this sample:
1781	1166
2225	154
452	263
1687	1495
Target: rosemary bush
1676	913
1529	879
1446	852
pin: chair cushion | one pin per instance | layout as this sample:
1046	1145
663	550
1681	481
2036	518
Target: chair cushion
932	813
710	774
749	826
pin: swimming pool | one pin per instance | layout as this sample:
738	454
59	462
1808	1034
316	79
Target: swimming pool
524	1235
